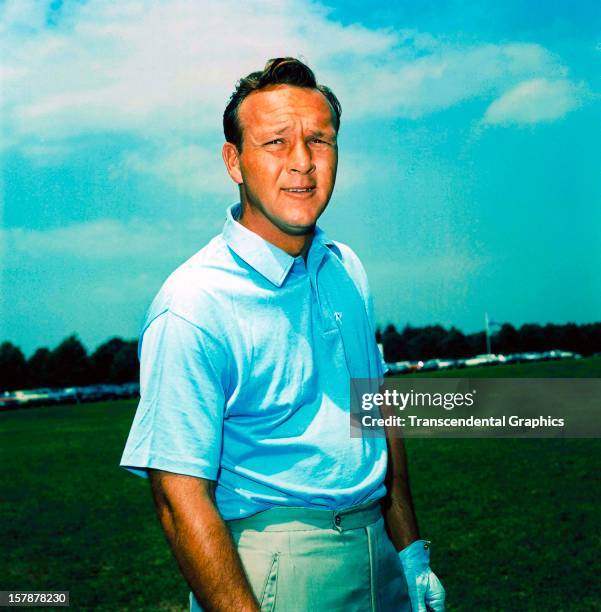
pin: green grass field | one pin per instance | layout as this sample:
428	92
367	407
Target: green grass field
514	523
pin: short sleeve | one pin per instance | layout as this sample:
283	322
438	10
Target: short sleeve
178	424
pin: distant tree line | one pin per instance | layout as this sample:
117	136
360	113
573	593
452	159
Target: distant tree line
116	361
68	365
421	343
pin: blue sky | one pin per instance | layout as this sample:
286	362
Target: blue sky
470	168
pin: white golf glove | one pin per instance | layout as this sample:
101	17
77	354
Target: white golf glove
425	590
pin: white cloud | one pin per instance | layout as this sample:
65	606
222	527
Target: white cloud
27	14
190	169
412	84
533	101
158	69
162	72
107	240
448	267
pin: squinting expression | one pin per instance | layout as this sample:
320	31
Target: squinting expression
289	156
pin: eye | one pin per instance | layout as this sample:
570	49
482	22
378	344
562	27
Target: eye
276	141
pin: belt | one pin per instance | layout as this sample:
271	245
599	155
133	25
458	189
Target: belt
282	518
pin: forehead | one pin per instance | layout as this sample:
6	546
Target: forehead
280	105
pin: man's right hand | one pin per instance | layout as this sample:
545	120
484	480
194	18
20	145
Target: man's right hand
201	542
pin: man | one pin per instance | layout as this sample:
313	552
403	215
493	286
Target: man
246	358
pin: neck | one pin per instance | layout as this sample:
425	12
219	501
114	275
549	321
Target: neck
256	222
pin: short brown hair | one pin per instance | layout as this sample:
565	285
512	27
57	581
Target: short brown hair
277	71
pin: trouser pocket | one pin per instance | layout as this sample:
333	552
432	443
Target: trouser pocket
267	599
261	568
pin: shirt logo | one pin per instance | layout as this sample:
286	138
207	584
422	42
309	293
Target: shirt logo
338	317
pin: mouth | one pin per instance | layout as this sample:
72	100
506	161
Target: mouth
298	189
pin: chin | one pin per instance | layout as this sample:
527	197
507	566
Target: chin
298	230
304	219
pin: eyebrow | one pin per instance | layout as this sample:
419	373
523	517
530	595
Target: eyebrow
321	133
318	133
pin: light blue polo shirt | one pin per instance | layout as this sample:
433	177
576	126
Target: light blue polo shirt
246	356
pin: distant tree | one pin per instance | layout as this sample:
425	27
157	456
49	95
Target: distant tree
573	338
454	344
39	365
476	343
426	343
408	343
13	367
69	364
125	367
102	359
506	340
116	359
591	338
552	334
532	337
393	345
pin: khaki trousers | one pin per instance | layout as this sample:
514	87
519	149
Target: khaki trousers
311	560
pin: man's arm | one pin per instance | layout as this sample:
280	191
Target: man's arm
201	542
397	505
425	590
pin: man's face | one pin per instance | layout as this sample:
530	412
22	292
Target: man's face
289	157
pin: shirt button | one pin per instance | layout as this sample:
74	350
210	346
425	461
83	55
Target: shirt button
337	520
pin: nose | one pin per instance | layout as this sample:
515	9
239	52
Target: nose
300	158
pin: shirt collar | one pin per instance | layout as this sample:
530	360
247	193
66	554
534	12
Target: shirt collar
268	260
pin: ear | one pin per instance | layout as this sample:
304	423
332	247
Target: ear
231	158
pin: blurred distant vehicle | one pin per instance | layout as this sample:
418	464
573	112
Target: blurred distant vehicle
513	358
430	365
524	357
8	400
566	355
531	356
34	397
447	364
478	360
131	389
399	367
111	392
71	394
437	364
68	395
97	393
123	391
484	360
545	356
404	367
91	393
